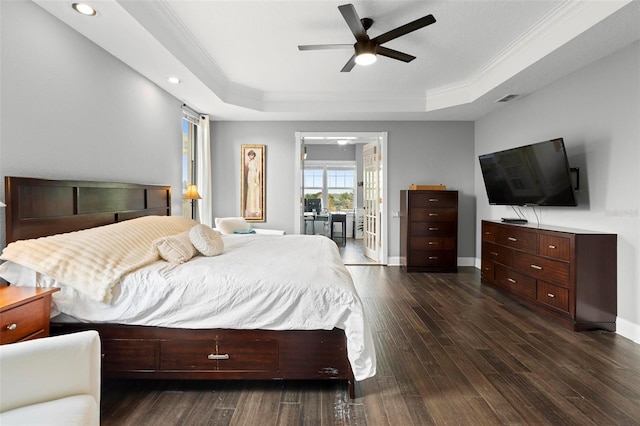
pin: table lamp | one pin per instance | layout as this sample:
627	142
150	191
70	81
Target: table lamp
192	194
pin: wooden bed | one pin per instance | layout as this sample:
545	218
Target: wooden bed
39	207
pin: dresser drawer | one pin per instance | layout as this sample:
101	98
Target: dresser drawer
546	269
24	321
434	199
432	243
433	229
488	232
497	253
517	238
221	355
434	215
434	258
487	269
516	283
554	246
553	295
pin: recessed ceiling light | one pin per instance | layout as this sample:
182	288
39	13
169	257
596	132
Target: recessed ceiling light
343	142
174	80
84	8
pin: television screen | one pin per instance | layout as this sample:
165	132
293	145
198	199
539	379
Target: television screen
536	174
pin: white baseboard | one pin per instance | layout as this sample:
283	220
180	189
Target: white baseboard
628	329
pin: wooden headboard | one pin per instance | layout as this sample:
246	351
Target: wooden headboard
41	207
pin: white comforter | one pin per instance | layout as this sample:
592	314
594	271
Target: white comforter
291	282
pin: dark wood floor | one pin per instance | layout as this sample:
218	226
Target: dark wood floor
450	352
352	253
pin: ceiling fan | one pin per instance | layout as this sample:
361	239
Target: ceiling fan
367	48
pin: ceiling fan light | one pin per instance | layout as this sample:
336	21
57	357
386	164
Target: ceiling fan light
365	53
366	58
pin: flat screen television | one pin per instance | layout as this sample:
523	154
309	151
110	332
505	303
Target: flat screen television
536	175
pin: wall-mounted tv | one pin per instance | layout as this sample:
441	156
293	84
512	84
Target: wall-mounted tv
537	175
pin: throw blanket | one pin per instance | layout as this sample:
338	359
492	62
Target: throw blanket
93	260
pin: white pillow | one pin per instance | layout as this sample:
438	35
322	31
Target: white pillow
175	248
206	240
228	225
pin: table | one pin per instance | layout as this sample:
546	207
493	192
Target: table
312	219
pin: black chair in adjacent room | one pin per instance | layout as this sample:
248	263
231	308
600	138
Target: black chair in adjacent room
341	219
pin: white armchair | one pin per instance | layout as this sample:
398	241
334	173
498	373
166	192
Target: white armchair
51	381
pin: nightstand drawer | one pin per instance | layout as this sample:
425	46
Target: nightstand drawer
22	321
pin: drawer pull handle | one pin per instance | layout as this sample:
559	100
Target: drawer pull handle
511	280
12	327
487	233
433	214
551	246
433	229
493	253
431	243
216	356
539	268
433	257
512	239
433	200
551	295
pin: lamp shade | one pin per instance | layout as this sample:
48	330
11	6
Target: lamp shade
192	193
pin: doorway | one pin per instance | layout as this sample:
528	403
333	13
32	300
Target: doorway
354	249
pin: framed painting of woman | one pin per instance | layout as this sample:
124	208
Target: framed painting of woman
252	187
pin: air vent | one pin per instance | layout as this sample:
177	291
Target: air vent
507	98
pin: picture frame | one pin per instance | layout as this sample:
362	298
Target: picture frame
252	183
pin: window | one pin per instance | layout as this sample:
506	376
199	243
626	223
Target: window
188	161
333	182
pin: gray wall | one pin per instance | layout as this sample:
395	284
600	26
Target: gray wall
418	152
70	110
597	112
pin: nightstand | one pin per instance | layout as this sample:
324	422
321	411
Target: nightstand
24	313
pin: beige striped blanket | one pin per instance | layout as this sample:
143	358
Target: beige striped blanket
93	260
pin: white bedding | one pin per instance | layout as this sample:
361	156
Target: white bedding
289	282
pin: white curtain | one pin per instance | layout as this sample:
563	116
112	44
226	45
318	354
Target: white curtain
203	171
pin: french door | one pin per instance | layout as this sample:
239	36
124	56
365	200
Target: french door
372	200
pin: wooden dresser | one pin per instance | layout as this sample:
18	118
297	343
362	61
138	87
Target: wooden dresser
429	231
567	275
24	313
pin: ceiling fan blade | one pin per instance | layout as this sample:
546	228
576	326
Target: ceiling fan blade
349	65
325	46
353	21
405	29
394	54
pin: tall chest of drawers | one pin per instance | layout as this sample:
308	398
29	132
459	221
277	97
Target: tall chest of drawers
567	275
429	231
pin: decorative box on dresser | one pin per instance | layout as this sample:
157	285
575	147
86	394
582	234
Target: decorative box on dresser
565	274
429	231
24	313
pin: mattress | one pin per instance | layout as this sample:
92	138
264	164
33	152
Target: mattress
270	282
